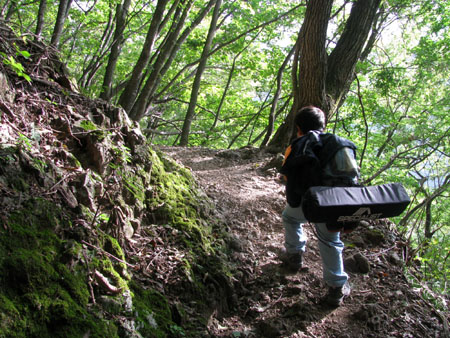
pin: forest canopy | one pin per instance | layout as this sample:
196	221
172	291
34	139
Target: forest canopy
229	74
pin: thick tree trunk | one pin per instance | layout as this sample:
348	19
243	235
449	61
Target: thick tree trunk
184	139
63	12
323	81
343	58
121	15
309	80
131	90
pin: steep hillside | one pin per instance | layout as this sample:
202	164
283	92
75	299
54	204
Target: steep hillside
105	235
99	232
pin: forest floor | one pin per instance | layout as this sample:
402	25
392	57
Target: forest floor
272	302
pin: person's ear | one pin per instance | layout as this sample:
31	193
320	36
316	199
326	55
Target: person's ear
299	132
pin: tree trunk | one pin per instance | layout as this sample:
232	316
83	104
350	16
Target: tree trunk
94	64
428	232
199	18
10	7
343	58
121	15
41	18
63	11
309	81
323	81
131	90
184	139
137	112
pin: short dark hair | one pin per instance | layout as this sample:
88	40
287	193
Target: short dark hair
310	118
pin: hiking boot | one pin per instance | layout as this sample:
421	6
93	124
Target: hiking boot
291	261
336	295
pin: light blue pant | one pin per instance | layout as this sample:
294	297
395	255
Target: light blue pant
330	245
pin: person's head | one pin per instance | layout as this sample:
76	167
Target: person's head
310	118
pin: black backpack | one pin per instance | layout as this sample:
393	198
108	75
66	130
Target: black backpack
319	159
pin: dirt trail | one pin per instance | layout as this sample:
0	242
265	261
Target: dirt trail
274	303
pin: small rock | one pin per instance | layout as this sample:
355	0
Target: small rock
362	263
6	94
268	330
374	236
68	196
235	243
358	241
395	259
128	230
350	264
275	162
357	263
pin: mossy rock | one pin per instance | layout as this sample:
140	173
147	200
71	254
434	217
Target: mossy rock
177	200
152	313
374	237
39	295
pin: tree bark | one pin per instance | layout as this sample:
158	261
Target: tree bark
10	7
63	12
323	81
309	81
343	58
184	139
428	218
41	18
121	15
131	90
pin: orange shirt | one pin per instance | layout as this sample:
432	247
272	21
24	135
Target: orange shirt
287	153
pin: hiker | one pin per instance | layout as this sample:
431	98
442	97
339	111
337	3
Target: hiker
335	165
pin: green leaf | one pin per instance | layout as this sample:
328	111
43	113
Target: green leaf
24	53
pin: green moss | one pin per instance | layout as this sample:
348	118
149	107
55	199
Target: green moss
135	186
152	312
74	283
112	246
115	267
176	201
106	268
18	183
10	319
39	295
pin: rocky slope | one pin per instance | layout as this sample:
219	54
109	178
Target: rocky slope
99	232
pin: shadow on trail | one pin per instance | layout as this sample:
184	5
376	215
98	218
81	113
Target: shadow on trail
281	304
